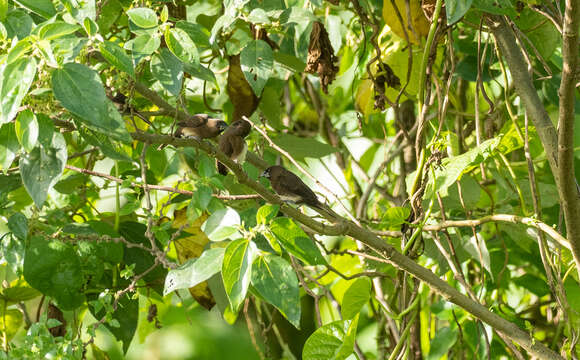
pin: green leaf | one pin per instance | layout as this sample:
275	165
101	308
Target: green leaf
441	343
18	225
41	168
80	91
10	322
455	9
168	70
18	24
296	242
15	80
135	233
53	268
126	317
3	9
26	128
43	8
202	196
497	7
534	284
257	62
181	45
274	279
237	270
142	46
112	149
143	17
45	129
197	33
270	106
394	217
194	271
355	297
117	57
91	27
476	246
18	50
57	29
222	224
334	341
289	61
258	16
201	72
302	148
266	213
8	145
452	168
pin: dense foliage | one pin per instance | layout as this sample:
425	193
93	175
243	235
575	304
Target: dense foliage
440	135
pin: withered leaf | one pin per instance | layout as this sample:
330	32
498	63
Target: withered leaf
321	59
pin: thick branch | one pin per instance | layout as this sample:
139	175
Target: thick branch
526	90
344	227
569	197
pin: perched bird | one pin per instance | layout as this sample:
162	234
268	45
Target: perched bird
290	187
232	143
208	128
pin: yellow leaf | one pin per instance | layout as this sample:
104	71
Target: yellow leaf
192	247
418	19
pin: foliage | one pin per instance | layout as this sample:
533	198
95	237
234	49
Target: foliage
410	130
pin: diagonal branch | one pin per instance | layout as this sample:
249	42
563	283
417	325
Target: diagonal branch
387	251
567	186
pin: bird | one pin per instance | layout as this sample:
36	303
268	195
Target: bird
290	187
232	143
200	126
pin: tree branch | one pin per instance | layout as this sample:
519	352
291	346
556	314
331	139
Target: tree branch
567	186
391	255
525	88
159	187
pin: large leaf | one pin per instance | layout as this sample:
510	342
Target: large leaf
222	224
135	233
275	281
334	341
257	61
10	321
57	29
8	145
194	271
442	342
53	268
26	127
41	168
80	90
302	148
452	168
455	9
168	70
127	316
43	8
296	242
117	57
142	46
237	270
143	17
181	45
355	297
15	80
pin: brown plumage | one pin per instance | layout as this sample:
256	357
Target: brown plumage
290	187
232	143
208	128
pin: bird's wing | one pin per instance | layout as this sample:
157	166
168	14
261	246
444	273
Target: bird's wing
202	118
239	147
296	186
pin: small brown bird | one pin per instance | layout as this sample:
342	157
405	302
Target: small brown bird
232	143
208	128
290	187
